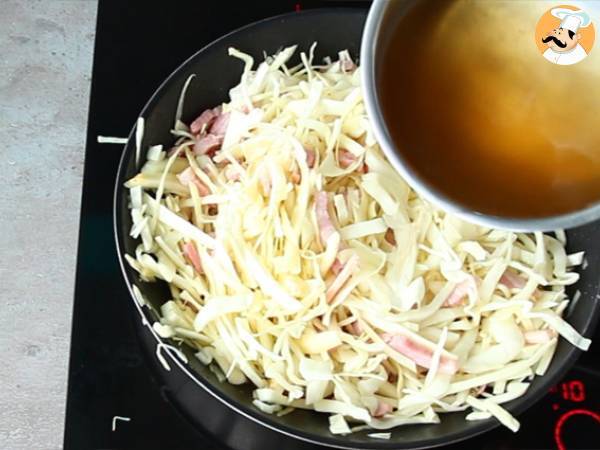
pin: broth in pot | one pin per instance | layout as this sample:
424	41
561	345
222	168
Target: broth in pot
479	111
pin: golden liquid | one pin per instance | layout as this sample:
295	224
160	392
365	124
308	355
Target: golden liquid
483	118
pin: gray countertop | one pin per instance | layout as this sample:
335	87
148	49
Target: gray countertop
46	50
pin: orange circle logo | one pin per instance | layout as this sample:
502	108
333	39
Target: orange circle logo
565	35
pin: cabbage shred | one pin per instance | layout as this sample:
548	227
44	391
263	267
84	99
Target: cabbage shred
299	261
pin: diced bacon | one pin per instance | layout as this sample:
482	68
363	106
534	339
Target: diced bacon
337	266
190	252
348	270
188	176
296	176
310	157
539	336
382	409
460	291
418	353
512	281
390	237
346	158
326	228
219	126
205	120
207	144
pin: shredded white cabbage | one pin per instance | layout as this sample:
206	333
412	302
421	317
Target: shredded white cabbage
118	418
380	435
111	140
139	136
338	425
299	261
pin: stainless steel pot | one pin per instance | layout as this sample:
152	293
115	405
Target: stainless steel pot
383	16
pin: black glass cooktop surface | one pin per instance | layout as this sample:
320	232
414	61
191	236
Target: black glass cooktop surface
115	399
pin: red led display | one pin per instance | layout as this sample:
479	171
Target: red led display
561	421
573	390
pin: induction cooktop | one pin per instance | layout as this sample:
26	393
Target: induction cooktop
115	397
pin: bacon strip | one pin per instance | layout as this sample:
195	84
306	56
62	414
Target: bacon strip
382	409
355	328
310	157
219	127
213	125
188	176
418	353
205	120
326	228
337	266
461	291
190	252
295	175
207	144
512	281
539	336
346	158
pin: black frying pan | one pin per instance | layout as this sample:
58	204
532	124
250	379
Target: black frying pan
216	73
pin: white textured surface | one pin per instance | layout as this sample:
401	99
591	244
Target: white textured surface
45	63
